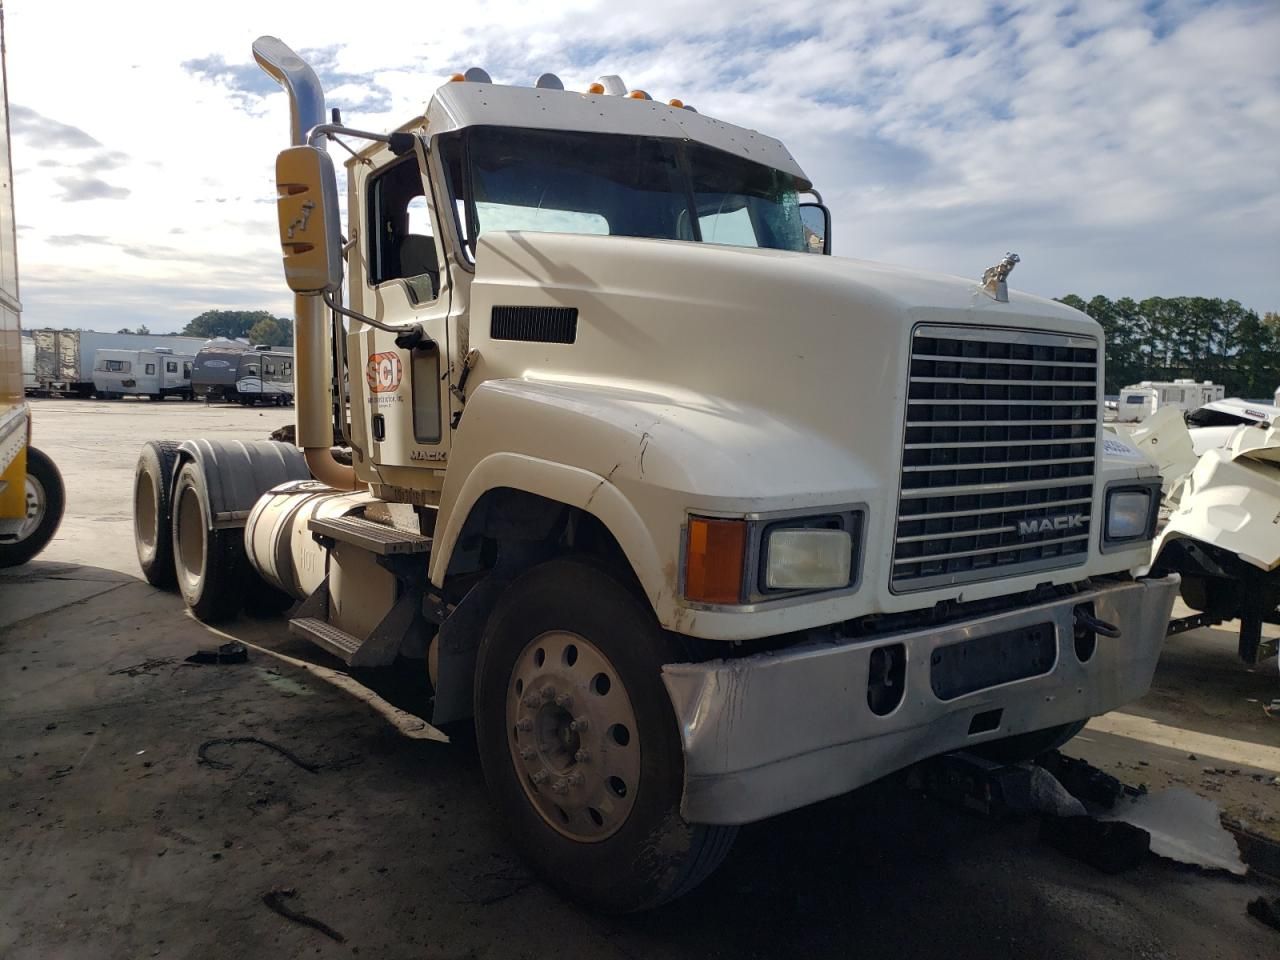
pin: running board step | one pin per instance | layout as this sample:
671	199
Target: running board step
326	636
375	537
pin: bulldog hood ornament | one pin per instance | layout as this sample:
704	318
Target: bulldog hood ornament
993	278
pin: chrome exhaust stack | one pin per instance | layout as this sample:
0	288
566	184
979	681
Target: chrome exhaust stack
313	403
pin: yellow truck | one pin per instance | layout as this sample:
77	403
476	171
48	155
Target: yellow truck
31	492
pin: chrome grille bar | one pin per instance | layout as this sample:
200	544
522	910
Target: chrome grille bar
998	455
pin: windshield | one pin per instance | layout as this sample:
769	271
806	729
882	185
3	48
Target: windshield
617	185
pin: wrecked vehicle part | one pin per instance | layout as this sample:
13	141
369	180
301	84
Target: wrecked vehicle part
1183	827
746	760
1224	536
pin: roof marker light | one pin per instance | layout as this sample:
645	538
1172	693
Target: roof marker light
549	81
638	95
596	88
675	102
476	75
456	78
688	107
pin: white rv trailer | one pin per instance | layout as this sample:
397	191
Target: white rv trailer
156	373
1140	400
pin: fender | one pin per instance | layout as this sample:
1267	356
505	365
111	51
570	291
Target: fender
238	472
640	460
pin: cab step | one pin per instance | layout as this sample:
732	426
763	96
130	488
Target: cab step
375	537
326	636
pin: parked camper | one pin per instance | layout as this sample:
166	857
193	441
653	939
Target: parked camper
28	365
233	370
65	358
157	374
1140	400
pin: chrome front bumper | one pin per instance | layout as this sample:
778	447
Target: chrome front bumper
775	731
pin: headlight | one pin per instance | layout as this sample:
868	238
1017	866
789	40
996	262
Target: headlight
1130	514
807	559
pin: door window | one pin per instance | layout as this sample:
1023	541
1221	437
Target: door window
171	366
151	368
401	243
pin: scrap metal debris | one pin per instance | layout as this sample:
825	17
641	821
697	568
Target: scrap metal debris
203	757
145	668
226	653
275	900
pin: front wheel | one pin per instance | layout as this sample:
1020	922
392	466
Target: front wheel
579	743
45	500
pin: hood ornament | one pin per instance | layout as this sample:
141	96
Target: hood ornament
993	278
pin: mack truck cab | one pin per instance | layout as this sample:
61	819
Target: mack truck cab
695	521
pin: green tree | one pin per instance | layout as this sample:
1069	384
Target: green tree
142	329
225	323
272	330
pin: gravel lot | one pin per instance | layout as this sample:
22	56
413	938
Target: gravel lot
117	842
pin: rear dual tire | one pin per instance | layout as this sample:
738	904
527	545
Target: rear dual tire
211	568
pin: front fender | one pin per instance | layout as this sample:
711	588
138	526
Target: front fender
640	460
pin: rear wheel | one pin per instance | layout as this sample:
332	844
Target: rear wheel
153	512
210	564
45	500
579	743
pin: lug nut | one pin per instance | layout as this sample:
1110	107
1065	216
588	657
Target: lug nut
582	757
531	700
576	779
548	692
560	786
525	725
578	725
539	777
564	701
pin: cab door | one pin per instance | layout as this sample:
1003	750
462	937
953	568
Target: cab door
400	394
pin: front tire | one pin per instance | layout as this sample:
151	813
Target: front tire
211	566
579	743
45	499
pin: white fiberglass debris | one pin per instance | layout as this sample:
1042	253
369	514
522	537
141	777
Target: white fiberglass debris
1183	827
1050	796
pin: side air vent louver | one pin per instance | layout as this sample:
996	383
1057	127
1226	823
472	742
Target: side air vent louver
534	324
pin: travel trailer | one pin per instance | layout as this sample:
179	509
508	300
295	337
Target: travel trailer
1141	400
156	374
234	371
64	359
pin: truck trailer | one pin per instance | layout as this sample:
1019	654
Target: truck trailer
696	522
154	374
65	359
31	490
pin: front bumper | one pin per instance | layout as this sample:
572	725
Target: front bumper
775	731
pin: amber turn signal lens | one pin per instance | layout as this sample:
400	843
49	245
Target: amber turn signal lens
714	560
596	88
456	78
675	102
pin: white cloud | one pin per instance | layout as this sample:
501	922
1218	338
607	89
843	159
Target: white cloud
1120	147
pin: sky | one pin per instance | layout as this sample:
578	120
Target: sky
1121	148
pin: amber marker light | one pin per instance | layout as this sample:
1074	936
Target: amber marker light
638	95
675	102
456	78
714	560
596	88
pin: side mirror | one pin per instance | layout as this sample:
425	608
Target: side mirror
310	232
817	227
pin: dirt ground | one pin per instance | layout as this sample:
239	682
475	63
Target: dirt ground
117	840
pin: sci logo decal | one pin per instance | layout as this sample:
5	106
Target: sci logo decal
383	372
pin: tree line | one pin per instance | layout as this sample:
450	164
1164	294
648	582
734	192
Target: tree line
1168	338
256	326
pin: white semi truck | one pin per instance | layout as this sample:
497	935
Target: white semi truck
155	374
699	527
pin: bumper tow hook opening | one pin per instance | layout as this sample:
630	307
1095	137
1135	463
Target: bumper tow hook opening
885	678
1087	621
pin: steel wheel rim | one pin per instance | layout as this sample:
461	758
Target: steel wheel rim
573	736
37	503
190	537
145	526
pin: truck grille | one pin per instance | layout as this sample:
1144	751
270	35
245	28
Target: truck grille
998	455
